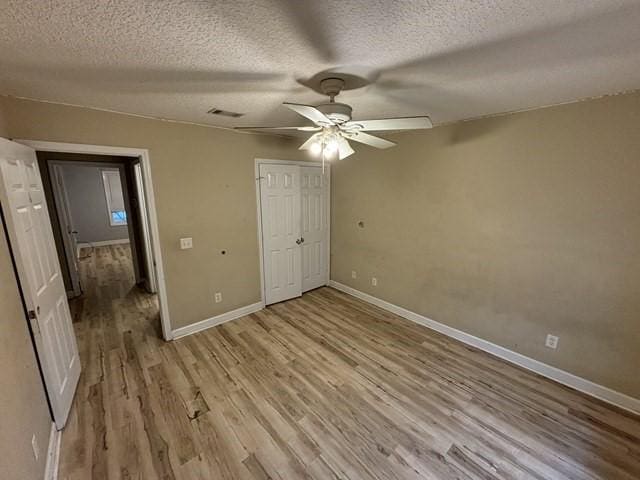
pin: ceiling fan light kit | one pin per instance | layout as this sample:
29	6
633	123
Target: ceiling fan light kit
333	127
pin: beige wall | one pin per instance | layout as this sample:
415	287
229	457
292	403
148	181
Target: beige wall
3	124
204	188
508	228
23	406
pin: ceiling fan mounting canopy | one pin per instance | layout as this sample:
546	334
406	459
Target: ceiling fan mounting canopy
331	86
328	79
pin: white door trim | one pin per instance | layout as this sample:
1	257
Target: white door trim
143	214
267	161
53	453
145	161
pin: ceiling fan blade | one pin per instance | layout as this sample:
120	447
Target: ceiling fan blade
401	123
310	141
312	113
370	140
308	128
344	149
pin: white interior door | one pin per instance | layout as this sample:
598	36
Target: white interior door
150	277
27	221
66	226
313	187
280	216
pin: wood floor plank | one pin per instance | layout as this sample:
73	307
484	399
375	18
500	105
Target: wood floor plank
319	387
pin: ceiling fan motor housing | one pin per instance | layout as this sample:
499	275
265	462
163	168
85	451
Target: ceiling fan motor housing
337	112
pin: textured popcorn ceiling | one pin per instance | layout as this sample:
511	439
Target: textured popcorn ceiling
449	59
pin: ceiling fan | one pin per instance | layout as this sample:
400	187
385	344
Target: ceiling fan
333	127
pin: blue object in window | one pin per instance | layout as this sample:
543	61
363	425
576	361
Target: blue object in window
119	217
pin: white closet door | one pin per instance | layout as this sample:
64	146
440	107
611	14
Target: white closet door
314	227
280	205
27	222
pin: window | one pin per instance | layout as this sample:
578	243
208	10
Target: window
115	199
118	217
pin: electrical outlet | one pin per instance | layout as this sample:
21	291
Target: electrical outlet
186	243
34	445
374	281
551	342
218	297
354	274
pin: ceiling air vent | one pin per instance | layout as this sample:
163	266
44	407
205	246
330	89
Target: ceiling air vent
224	113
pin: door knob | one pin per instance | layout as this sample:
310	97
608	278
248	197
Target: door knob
299	241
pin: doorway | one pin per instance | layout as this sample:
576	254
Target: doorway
293	227
96	201
141	175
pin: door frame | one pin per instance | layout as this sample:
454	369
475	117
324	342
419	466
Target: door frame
145	161
144	223
121	168
300	163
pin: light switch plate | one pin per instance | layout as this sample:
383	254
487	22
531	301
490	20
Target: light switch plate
186	243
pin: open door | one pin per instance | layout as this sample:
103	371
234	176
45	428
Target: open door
27	222
66	227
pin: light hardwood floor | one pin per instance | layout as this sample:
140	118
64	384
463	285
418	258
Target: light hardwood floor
320	387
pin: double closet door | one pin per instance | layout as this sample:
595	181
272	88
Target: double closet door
295	232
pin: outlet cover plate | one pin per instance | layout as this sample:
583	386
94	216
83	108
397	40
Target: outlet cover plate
551	341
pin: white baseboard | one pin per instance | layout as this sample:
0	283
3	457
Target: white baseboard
103	243
53	454
578	383
217	320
